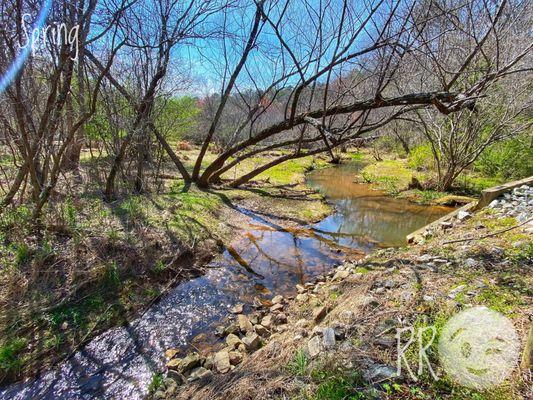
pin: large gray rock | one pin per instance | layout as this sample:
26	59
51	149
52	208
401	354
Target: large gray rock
328	338
233	341
244	323
375	372
314	346
267	321
252	341
221	362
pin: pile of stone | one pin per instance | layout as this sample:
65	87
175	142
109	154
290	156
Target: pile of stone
246	333
242	337
517	204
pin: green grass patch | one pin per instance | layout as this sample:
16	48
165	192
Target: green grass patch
391	176
10	360
298	365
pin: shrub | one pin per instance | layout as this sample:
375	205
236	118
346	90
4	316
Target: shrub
421	157
512	158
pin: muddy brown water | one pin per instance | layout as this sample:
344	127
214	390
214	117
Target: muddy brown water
121	362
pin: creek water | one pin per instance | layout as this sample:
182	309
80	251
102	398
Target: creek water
121	362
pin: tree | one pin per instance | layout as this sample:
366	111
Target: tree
457	140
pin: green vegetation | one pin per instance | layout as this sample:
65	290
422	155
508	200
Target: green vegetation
10	359
500	160
421	158
156	383
298	366
336	384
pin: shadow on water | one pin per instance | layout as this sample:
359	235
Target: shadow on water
121	362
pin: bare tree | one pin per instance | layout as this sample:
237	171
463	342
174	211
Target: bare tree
40	121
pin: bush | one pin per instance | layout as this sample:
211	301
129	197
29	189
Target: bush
511	158
421	157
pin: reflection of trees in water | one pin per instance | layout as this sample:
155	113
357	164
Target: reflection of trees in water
385	220
281	259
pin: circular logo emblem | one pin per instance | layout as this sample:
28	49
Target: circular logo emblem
478	348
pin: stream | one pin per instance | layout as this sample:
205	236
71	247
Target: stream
270	260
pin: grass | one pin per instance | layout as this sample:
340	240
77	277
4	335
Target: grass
390	175
336	384
299	364
10	360
156	383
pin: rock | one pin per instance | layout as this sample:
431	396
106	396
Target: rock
174	364
230	329
190	362
320	313
369	301
375	372
171	353
389	284
267	321
171	390
300	289
251	341
446	224
317	330
280	318
199	373
277	299
424	258
493	204
175	376
347	316
379	290
235	357
261	330
159	395
254	318
237	309
470	263
427	298
302	298
406	296
221	361
233	341
302	323
385	342
276	307
454	292
463	215
208	363
244	323
314	346
328	338
341	275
